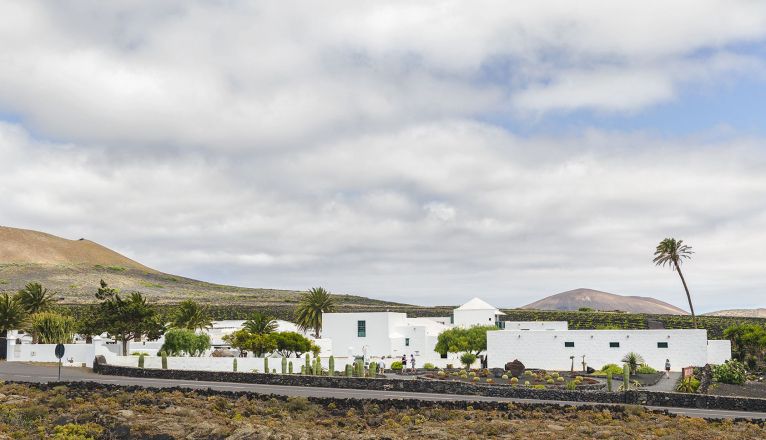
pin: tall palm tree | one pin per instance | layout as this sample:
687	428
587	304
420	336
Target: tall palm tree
313	303
12	316
671	252
260	324
191	316
35	298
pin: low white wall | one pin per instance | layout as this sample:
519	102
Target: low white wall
547	350
535	325
75	355
718	351
248	364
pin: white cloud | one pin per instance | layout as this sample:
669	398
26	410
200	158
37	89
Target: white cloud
287	145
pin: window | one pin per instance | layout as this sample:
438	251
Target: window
361	329
662	345
569	344
614	345
452	319
406	342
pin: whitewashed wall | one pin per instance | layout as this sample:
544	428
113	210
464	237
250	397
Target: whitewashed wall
718	351
536	325
469	318
545	349
341	328
79	354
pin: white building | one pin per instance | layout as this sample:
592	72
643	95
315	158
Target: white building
553	349
381	334
476	312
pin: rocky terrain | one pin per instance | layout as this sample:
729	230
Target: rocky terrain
92	411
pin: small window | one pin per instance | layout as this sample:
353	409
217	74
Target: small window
662	345
406	342
569	344
452	319
443	355
614	345
361	329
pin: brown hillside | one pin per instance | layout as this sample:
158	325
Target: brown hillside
595	299
74	268
26	246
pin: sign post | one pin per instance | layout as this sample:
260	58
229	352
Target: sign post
59	354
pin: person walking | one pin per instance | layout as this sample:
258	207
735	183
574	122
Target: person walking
667	368
404	362
412	362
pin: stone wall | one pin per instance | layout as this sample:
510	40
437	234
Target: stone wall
639	397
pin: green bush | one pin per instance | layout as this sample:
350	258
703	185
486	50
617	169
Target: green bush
612	368
396	366
732	372
645	369
429	366
688	385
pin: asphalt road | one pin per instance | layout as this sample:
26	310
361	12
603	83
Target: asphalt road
23	372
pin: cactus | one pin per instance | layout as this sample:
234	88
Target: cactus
609	381
284	365
234	365
164	360
626	377
358	369
318	366
331	366
303	369
290	367
266	365
141	360
348	370
308	364
373	369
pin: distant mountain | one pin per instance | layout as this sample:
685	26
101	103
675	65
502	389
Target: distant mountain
739	313
73	269
597	300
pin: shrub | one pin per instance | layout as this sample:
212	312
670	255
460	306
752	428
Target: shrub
72	431
185	342
571	385
549	381
53	328
468	359
688	385
505	376
472	374
441	374
429	366
732	372
633	360
538	387
515	380
559	379
475	378
612	368
645	369
526	383
396	366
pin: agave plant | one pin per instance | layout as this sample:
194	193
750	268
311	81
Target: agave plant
633	360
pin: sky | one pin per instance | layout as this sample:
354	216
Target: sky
424	152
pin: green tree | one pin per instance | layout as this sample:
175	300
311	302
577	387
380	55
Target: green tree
259	344
179	342
292	343
128	319
467	359
458	340
12	317
746	340
672	252
260	324
53	328
191	316
35	298
313	304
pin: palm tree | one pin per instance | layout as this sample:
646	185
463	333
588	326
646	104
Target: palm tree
191	316
634	360
260	324
671	252
313	303
35	298
12	316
